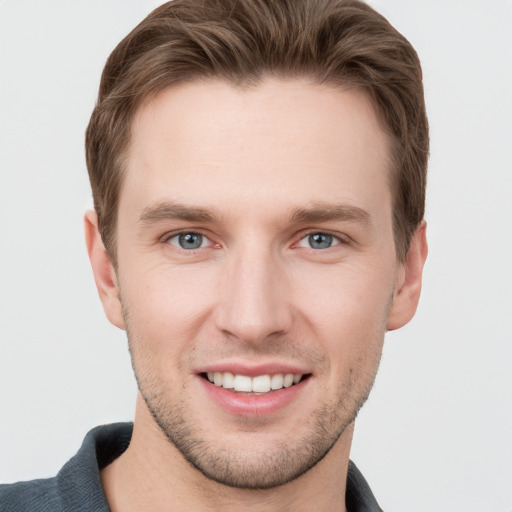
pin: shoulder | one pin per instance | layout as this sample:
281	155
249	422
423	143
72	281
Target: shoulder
77	486
32	495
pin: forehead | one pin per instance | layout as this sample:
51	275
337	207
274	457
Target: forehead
283	142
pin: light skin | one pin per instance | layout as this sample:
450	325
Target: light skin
254	237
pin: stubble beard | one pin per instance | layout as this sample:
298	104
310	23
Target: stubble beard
266	469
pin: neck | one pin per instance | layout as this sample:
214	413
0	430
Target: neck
152	475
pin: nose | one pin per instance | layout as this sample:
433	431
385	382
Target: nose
254	297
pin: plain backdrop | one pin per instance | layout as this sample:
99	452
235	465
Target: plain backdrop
436	433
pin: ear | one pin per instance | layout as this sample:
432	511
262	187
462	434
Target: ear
103	270
408	287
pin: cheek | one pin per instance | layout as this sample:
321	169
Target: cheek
347	294
347	311
166	307
165	290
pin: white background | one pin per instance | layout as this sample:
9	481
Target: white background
436	434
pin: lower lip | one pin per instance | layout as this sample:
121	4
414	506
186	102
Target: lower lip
241	404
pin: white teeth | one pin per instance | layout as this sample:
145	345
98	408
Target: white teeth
288	380
277	381
261	384
228	380
242	383
258	384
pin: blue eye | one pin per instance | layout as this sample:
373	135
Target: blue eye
319	241
189	241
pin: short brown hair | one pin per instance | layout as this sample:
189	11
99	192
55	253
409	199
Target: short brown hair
335	42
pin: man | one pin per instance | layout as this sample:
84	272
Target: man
258	171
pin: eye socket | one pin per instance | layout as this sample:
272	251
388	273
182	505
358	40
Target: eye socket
189	241
319	241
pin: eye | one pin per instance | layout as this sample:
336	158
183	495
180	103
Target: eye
189	241
319	241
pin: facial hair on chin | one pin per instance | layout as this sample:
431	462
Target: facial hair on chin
265	469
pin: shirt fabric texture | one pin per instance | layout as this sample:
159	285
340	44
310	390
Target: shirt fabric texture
77	486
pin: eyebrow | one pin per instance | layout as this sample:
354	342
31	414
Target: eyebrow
175	211
321	212
317	213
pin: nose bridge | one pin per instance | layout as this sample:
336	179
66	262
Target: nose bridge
254	302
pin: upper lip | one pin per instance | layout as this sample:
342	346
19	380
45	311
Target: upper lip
253	370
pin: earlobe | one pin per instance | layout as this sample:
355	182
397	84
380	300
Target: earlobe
408	289
103	270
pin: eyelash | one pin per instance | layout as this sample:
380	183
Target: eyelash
167	239
336	238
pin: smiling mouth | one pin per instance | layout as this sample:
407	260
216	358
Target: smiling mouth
261	384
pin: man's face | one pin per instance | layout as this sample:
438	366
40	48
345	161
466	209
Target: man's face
255	247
